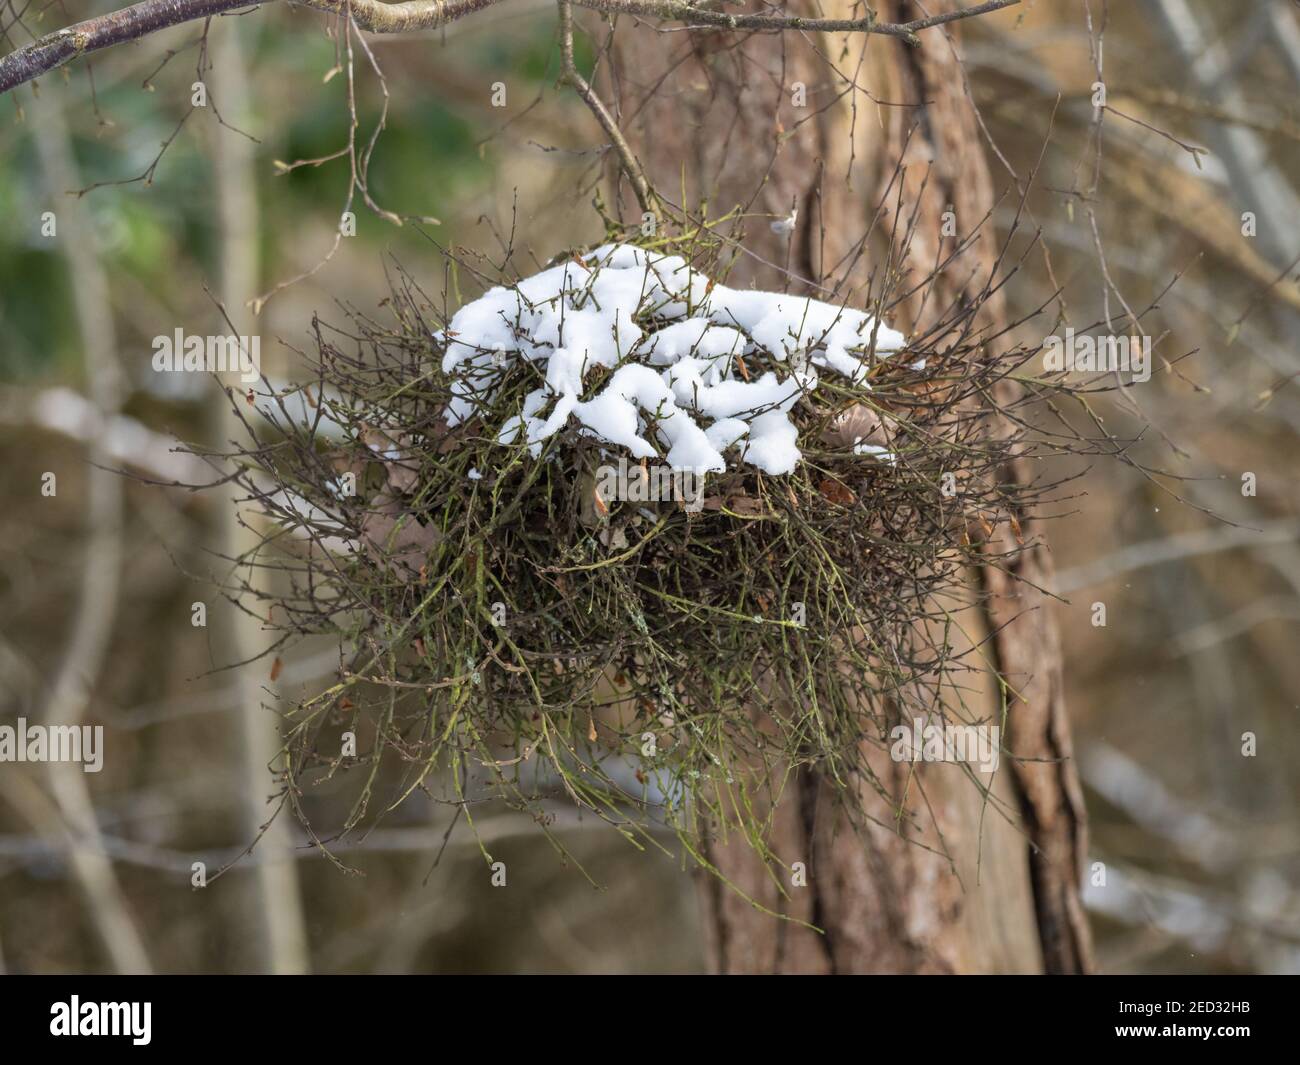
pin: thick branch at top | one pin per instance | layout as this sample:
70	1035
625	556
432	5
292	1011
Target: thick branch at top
131	23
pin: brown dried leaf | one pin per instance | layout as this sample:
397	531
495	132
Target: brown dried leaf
746	506
393	536
858	424
977	530
615	539
394	452
837	492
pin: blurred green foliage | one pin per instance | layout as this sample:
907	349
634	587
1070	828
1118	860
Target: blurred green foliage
160	238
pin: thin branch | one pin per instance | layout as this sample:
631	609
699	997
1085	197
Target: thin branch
678	11
132	23
640	184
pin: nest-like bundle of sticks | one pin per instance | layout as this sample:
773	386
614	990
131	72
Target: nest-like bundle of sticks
507	620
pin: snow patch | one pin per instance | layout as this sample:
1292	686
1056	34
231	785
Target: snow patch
679	386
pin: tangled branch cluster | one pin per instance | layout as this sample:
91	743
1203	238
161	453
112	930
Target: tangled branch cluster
508	631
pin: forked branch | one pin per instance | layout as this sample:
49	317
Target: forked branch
570	74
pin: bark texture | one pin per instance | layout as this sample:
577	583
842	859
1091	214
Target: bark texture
924	877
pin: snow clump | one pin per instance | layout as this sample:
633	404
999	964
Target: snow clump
676	389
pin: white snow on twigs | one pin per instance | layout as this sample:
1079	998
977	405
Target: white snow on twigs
679	386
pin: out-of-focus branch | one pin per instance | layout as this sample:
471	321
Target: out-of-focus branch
132	23
488	831
122	439
1127	784
276	904
1257	182
102	562
1284	32
1171	548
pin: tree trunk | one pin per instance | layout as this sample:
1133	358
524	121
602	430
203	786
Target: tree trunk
930	879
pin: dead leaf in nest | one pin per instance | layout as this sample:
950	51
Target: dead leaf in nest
394	452
352	462
977	530
448	438
393	536
858	424
591	729
747	506
615	539
837	492
593	510
931	388
1015	529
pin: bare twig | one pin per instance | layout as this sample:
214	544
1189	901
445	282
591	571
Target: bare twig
132	23
640	185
